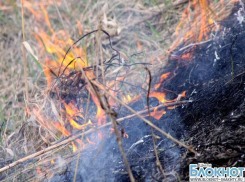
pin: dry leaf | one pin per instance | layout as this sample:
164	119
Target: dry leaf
29	49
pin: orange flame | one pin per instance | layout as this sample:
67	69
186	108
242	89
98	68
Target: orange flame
89	141
163	77
65	132
55	45
157	114
127	98
47	18
171	107
28	5
39	171
101	116
80	27
139	45
197	21
74	147
52	161
160	96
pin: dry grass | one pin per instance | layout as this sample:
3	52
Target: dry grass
135	26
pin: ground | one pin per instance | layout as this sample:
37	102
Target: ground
143	26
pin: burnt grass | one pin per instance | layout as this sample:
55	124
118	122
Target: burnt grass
213	123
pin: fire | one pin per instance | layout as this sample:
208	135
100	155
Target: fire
52	161
127	98
187	56
139	45
101	116
204	11
161	97
39	171
125	135
171	107
163	77
199	20
72	112
80	27
28	5
74	147
158	114
56	45
197	23
89	141
183	94
47	19
67	133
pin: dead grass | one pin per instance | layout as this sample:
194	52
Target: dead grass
135	26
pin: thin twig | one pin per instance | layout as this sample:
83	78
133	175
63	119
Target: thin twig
100	55
119	141
240	74
232	61
24	51
158	163
112	115
195	44
74	137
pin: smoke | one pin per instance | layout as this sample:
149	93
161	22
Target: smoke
241	13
